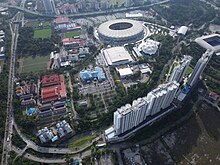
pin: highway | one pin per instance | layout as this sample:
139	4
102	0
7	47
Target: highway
9	113
14	27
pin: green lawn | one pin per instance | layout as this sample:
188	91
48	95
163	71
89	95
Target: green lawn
36	64
43	33
35	24
82	141
189	70
72	34
113	2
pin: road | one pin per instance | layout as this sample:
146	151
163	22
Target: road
83	14
14	27
76	116
51	150
9	113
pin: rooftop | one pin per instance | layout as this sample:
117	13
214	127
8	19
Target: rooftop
116	54
61	20
125	72
211	42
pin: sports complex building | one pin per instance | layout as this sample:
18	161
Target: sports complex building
211	42
120	31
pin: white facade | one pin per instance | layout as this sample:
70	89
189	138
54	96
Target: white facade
125	72
179	71
200	66
182	30
202	41
116	56
130	116
149	47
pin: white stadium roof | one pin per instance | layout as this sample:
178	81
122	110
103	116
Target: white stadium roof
136	28
149	46
203	41
115	55
182	30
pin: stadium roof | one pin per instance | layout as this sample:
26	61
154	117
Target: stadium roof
133	28
211	42
182	30
149	46
116	54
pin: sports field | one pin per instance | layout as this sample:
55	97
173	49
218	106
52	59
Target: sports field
42	33
72	34
113	2
38	63
38	24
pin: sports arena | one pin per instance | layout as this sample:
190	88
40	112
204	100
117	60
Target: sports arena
210	42
120	31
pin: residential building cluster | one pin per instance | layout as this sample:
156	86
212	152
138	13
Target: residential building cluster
53	96
159	101
51	7
55	133
82	6
132	115
89	75
27	92
2	49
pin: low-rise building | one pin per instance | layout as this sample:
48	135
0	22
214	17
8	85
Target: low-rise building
116	56
125	72
87	76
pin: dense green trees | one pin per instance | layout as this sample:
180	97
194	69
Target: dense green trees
27	45
182	12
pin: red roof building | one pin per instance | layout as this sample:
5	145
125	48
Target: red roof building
53	90
62	20
50	80
214	96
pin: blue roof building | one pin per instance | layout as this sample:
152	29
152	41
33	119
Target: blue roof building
89	75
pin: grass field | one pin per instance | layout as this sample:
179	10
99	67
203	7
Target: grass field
72	34
36	64
189	70
37	24
113	2
43	33
82	141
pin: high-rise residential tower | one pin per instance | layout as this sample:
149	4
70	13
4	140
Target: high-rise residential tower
130	116
200	66
179	71
49	7
128	3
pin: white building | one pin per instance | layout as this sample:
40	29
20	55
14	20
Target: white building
125	72
211	42
179	71
130	116
200	66
149	47
182	30
116	56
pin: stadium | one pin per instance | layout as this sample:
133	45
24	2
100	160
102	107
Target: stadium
120	31
210	42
